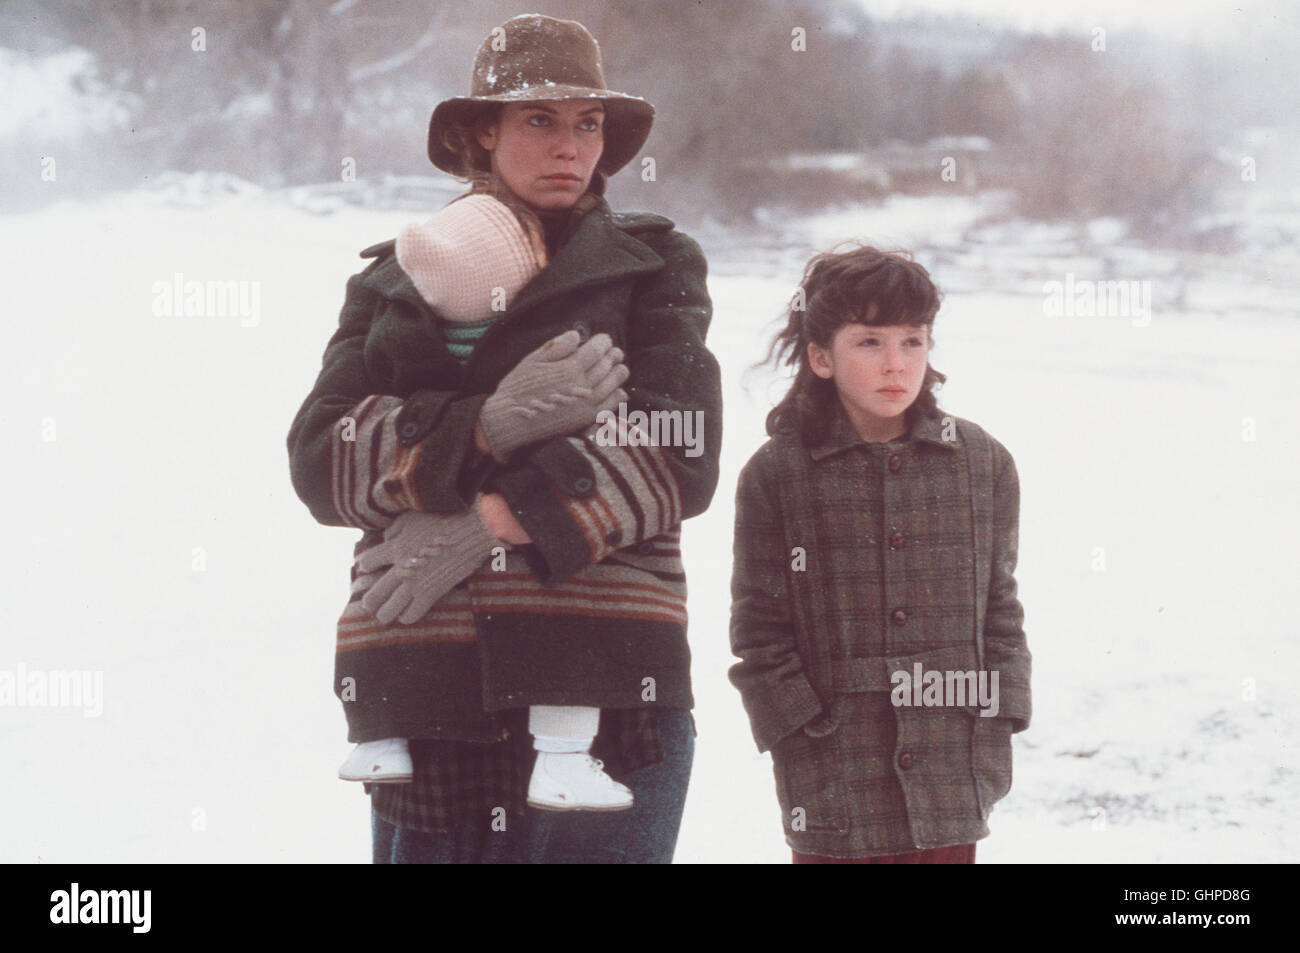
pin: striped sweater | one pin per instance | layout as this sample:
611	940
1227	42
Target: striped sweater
462	337
622	591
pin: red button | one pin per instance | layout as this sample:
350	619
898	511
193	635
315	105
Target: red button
905	760
899	616
895	540
895	463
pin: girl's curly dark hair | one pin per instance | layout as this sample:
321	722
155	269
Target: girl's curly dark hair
861	285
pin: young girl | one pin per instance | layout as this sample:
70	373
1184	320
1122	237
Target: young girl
467	262
882	654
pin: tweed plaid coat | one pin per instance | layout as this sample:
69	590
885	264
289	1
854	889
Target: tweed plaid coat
594	611
854	561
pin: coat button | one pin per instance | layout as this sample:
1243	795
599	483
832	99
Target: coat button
409	430
614	538
905	760
584	332
895	463
393	487
646	548
583	485
895	540
899	616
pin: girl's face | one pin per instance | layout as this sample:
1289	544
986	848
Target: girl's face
878	372
546	152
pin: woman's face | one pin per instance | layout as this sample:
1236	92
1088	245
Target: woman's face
546	152
878	373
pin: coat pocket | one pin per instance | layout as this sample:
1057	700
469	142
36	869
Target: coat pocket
809	785
990	760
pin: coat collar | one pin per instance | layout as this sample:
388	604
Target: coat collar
599	251
842	436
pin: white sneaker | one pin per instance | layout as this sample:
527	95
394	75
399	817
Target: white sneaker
575	782
379	762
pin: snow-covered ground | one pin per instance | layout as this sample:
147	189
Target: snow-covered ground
154	536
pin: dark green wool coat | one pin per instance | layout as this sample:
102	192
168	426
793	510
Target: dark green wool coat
593	612
854	561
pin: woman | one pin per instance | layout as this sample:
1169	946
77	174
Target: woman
586	602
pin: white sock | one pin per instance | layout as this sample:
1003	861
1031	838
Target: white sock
563	729
561	745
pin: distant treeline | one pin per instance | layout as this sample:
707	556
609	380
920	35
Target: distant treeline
284	91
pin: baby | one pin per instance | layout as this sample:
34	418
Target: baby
468	262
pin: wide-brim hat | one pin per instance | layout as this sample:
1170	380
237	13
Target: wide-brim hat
532	58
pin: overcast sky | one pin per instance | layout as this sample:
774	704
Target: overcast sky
1202	19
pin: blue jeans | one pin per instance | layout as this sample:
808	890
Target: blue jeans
646	834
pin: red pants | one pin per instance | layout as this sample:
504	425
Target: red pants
957	854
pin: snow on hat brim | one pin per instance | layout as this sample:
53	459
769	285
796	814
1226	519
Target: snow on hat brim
627	124
534	58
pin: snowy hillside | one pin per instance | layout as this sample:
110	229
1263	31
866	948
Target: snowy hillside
154	536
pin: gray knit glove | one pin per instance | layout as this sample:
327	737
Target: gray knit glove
429	555
557	389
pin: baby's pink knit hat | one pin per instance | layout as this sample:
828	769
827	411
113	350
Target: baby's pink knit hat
471	258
